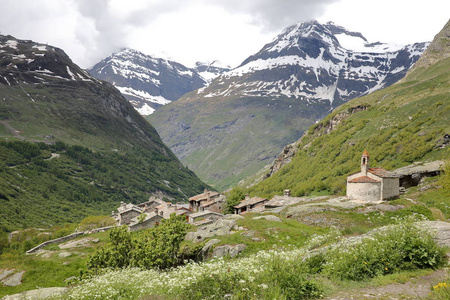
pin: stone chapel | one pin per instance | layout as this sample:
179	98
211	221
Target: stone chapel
372	184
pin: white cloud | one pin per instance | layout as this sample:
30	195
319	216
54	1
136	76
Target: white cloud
191	30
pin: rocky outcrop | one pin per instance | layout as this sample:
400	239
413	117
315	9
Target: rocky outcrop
441	232
411	175
220	227
228	250
11	277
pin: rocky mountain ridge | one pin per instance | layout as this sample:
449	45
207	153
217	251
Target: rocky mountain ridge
149	82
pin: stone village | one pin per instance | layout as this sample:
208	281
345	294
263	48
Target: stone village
369	185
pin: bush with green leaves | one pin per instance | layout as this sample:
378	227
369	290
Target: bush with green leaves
157	247
400	247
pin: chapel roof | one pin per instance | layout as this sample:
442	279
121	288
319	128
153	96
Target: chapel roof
364	179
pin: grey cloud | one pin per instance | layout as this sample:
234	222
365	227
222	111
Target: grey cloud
276	14
98	31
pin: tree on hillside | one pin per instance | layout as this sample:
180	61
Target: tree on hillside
235	196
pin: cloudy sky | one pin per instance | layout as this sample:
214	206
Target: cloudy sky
205	30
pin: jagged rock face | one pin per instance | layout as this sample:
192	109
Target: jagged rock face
274	95
147	82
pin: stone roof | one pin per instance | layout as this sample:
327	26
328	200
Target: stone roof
203	213
250	201
135	208
150	201
364	179
211	202
204	196
380	172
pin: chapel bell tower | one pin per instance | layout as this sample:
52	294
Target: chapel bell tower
365	163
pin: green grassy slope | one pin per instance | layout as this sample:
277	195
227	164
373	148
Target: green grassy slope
398	125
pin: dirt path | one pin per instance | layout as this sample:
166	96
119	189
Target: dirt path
416	288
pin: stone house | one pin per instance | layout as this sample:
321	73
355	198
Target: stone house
150	220
125	216
150	205
196	201
204	217
372	184
255	204
215	205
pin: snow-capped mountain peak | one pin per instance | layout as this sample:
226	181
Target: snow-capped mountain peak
146	81
316	62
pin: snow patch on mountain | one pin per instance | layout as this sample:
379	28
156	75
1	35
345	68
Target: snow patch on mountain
145	110
143	95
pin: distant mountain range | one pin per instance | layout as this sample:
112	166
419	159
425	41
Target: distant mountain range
238	123
149	82
95	149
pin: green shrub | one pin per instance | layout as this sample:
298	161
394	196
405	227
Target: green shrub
401	247
158	247
293	279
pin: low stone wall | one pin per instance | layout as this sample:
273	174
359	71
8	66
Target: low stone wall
67	238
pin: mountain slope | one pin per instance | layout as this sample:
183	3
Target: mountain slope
404	123
110	153
237	124
149	82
